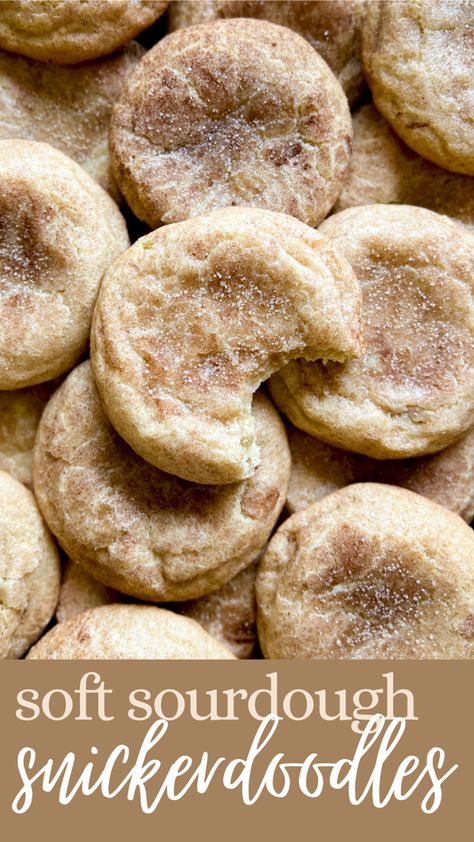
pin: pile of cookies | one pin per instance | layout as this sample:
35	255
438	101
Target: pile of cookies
236	329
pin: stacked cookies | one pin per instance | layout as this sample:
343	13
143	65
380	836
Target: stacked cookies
239	434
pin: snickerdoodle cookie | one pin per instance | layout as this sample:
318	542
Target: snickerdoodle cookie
20	412
318	469
66	32
371	571
136	632
229	614
68	107
192	318
234	112
419	61
29	570
332	27
136	528
412	391
383	169
59	231
79	592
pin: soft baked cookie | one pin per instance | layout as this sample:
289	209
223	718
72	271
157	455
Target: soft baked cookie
229	614
371	571
412	391
68	107
383	169
79	592
20	412
136	528
131	632
59	231
29	569
419	62
234	112
317	469
332	27
196	315
66	32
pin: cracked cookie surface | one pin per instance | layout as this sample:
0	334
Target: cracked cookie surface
234	112
418	58
412	390
194	316
136	528
332	27
371	571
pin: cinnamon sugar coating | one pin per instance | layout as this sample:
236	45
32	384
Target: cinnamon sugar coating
412	390
68	107
137	529
418	58
371	571
116	632
233	112
192	318
332	27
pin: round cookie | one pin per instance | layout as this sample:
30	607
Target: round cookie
196	315
419	62
137	529
66	32
59	231
79	592
234	112
229	614
383	169
130	632
317	469
68	107
20	412
371	571
29	570
412	390
332	27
